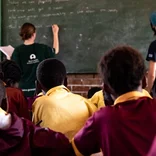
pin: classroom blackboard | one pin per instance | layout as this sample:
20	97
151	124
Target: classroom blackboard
87	27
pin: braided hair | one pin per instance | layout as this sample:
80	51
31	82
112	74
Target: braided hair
11	71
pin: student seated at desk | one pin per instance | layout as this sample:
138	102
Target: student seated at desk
95	95
59	109
39	93
98	99
11	77
20	137
102	98
129	126
92	91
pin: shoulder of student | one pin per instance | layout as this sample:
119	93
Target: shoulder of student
41	100
105	113
92	108
16	91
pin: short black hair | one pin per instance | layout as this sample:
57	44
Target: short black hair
51	73
122	69
11	71
92	91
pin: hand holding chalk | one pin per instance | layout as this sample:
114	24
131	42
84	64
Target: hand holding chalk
55	29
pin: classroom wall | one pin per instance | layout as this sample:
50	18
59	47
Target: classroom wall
81	83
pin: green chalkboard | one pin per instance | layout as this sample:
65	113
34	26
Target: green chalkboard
87	27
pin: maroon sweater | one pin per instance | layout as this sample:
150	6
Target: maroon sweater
17	102
25	139
152	151
126	129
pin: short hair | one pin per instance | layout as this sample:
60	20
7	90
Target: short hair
122	69
51	73
27	30
92	91
11	71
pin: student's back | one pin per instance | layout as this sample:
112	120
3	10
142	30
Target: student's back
62	111
59	109
20	137
17	102
126	127
11	76
23	138
129	126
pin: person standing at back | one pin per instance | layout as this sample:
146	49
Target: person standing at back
30	54
151	58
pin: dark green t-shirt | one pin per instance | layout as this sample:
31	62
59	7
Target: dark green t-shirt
28	57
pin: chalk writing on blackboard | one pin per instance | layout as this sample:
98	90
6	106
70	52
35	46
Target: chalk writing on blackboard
87	27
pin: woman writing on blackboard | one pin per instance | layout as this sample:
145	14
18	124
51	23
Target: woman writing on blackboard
151	57
30	54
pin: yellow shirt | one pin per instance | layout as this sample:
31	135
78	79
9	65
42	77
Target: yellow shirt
62	111
133	95
98	100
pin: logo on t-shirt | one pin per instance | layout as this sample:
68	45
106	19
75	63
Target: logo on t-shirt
32	56
33	59
150	55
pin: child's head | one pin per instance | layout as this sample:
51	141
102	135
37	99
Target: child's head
12	73
122	69
50	73
27	31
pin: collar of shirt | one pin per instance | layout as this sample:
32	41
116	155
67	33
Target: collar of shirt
54	89
134	95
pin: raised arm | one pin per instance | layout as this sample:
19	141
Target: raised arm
55	30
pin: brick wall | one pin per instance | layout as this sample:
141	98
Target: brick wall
81	83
